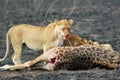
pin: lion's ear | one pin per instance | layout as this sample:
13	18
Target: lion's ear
55	21
71	21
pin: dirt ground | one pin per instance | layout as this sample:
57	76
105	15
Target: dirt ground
97	20
61	75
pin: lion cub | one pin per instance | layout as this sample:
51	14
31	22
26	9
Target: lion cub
75	40
36	37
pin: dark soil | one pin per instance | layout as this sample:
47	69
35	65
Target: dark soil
61	75
97	20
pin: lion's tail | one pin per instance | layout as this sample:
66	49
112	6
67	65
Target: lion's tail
7	47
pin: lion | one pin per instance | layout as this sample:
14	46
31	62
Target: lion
36	37
74	40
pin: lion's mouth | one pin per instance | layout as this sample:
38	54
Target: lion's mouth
65	37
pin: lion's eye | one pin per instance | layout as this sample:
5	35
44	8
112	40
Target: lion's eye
63	29
68	29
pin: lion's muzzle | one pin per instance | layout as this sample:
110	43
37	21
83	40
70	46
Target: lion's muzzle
65	36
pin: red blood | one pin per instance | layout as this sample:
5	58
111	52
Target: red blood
53	60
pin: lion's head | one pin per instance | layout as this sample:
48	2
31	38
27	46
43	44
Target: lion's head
63	28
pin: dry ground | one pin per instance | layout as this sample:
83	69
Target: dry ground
98	20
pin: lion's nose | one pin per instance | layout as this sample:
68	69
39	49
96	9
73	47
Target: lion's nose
67	36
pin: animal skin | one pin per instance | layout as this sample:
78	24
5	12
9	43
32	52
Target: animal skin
73	58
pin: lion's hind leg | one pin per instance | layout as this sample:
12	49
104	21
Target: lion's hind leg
16	57
17	48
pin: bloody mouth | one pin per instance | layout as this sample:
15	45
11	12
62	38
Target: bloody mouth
65	37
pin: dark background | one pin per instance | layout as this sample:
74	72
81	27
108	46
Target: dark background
97	20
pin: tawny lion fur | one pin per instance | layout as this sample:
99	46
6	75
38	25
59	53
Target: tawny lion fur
74	40
36	37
